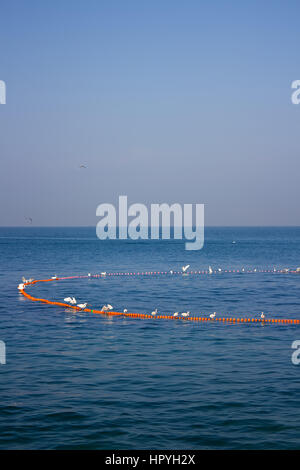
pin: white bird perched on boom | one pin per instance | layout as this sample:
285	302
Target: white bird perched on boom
154	312
262	315
82	306
185	268
212	315
185	314
70	300
175	314
210	270
106	307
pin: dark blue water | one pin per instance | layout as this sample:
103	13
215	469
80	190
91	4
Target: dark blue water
83	381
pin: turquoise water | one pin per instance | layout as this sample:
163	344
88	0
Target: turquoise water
83	381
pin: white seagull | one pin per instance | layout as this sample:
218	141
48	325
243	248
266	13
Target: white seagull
262	315
73	301
68	299
185	268
21	286
54	277
125	310
106	307
154	312
210	270
82	306
103	274
175	314
185	314
212	315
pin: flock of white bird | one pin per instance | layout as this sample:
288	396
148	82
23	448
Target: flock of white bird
186	314
210	269
72	300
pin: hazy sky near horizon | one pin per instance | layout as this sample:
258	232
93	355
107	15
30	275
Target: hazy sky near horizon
164	101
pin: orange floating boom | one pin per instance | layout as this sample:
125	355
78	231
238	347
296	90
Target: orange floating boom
143	315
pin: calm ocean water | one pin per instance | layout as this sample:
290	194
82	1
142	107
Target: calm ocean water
78	381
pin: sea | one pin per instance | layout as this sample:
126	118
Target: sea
78	380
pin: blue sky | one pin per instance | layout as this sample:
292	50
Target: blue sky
164	101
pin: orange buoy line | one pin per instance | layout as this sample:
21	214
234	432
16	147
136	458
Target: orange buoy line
228	319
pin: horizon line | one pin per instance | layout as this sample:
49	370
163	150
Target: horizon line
160	226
